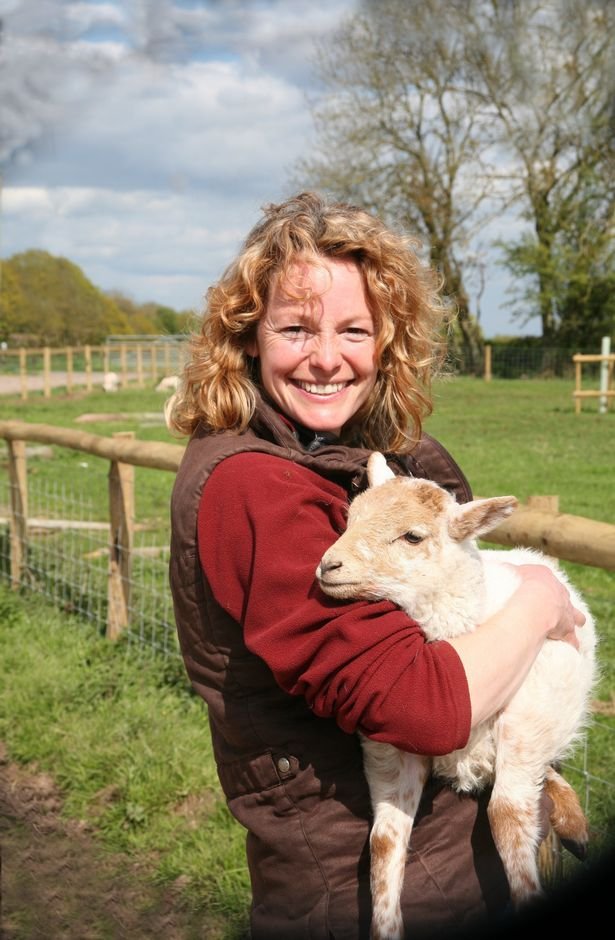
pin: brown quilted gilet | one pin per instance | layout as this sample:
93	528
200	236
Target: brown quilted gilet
293	780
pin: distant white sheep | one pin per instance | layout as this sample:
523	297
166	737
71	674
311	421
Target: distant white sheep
410	542
111	382
169	383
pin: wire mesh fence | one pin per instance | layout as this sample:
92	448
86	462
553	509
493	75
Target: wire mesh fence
512	360
67	561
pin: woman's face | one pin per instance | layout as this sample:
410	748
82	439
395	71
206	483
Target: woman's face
317	353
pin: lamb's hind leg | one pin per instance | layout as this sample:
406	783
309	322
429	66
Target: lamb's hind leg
514	812
395	804
514	820
567	817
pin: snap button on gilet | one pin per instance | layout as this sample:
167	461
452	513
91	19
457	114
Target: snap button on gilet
283	765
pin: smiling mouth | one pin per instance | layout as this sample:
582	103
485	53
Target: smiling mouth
331	388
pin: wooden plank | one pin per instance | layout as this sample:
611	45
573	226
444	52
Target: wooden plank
18	519
572	538
154	454
121	514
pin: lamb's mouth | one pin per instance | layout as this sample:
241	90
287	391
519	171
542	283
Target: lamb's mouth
335	587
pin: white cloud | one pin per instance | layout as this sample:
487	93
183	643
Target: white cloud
139	139
144	168
86	16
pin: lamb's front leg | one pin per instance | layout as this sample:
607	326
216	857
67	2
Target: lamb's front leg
396	780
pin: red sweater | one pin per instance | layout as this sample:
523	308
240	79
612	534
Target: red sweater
263	525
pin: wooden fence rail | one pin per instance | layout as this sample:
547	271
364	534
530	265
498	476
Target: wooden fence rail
572	538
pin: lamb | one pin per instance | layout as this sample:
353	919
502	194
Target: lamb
111	382
408	541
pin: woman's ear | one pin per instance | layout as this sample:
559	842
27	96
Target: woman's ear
251	347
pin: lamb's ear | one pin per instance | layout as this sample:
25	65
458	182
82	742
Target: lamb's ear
480	516
377	470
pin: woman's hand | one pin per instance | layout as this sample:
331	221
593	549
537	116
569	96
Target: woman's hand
498	655
556	604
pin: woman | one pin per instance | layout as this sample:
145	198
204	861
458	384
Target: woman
317	347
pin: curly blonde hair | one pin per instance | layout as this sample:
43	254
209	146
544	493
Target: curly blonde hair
219	386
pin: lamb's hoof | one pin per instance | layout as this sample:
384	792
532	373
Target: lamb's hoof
576	848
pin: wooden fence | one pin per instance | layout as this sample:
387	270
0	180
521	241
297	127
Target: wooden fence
146	361
69	366
572	538
604	393
123	453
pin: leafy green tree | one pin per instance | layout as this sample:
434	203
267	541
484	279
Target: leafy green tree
544	71
396	132
168	320
11	301
50	300
149	318
441	116
580	269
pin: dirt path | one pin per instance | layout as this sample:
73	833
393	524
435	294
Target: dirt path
11	384
58	884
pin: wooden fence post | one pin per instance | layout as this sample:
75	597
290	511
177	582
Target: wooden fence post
18	522
488	373
140	381
23	374
69	369
87	352
154	361
605	352
121	515
47	372
577	384
123	367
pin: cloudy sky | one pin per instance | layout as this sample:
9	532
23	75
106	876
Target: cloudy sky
139	138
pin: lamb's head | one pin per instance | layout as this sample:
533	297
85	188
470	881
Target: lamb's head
405	537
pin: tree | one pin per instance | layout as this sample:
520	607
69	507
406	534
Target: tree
544	70
168	320
51	301
397	132
150	317
442	115
579	266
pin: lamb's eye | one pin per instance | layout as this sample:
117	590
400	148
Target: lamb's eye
413	538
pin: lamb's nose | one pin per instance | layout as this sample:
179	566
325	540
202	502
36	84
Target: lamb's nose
327	565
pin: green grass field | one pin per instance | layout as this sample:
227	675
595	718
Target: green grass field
113	719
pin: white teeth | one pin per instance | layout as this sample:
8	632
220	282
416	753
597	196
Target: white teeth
322	389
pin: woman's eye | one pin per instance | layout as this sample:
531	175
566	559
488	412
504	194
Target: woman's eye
413	538
295	330
357	332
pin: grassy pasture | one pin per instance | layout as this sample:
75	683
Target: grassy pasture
129	744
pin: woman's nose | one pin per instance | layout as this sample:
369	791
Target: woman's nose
325	353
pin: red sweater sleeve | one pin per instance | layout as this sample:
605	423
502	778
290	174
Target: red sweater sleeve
263	525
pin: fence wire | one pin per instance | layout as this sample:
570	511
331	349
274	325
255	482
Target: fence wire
510	360
68	562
